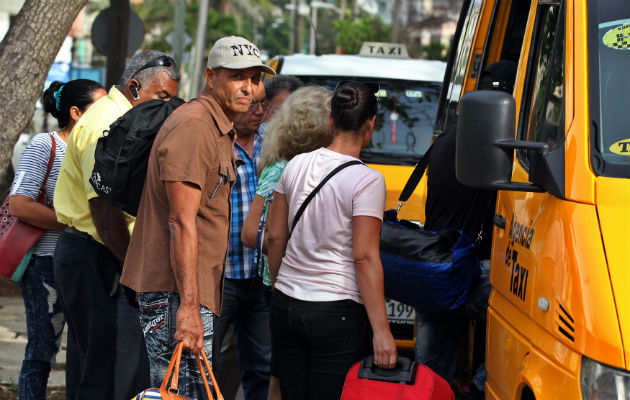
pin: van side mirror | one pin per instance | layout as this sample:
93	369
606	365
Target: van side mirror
485	142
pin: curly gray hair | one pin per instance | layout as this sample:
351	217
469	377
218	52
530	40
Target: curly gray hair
300	125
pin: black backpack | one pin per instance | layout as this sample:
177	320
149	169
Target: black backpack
122	154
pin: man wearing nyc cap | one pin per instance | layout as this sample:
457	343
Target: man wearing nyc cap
176	257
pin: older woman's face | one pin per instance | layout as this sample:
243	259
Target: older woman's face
276	102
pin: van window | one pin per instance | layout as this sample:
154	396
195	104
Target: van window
544	102
515	30
609	86
453	88
542	115
404	120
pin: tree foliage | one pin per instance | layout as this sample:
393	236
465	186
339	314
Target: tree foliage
238	17
157	16
351	33
435	50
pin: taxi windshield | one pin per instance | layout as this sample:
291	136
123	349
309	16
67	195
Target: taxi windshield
404	121
610	87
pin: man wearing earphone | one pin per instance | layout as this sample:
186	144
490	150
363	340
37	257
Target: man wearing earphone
106	352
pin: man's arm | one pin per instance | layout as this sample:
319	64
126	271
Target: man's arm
184	200
111	226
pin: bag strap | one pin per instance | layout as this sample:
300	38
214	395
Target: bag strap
175	360
51	160
415	177
308	199
203	375
260	234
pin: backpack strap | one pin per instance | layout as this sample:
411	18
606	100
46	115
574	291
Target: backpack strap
308	199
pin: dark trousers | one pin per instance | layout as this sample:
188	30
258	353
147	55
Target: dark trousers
98	365
314	344
245	309
438	335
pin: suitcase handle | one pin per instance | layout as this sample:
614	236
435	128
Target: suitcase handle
404	372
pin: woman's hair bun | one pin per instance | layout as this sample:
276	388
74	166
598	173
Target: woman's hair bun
50	101
352	104
347	97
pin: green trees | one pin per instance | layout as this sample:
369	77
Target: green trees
351	33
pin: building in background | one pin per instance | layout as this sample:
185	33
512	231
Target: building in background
424	21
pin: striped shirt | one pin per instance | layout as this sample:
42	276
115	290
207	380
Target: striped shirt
241	262
29	177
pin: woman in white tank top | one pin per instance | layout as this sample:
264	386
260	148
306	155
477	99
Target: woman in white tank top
328	308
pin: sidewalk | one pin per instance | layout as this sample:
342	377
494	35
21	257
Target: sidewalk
13	339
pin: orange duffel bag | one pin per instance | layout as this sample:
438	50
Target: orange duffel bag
172	373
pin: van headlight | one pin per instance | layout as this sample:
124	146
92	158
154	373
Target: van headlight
602	382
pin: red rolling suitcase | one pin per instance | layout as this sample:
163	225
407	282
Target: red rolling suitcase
409	380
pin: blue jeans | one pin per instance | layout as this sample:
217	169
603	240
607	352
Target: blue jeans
44	325
438	334
315	344
158	311
246	310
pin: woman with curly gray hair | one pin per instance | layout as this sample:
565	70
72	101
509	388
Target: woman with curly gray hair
299	126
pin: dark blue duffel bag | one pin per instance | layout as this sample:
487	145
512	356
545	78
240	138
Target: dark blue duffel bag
431	271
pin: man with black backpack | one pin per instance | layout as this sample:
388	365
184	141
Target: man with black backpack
105	345
176	257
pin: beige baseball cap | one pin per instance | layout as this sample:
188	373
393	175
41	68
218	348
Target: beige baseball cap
235	52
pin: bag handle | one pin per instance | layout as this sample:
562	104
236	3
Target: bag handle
308	199
51	160
173	372
175	360
203	375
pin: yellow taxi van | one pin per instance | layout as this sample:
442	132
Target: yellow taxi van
558	152
408	98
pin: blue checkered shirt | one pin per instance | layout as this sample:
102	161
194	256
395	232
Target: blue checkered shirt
241	260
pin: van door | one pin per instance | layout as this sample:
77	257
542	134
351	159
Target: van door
528	253
541	118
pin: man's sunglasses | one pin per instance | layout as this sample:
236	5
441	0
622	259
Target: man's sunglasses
161	61
264	103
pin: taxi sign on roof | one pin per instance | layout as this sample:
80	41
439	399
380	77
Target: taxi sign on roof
381	49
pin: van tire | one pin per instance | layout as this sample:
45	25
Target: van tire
527	394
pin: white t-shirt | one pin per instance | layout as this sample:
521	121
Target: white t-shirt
318	264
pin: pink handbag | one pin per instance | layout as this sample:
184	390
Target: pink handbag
16	237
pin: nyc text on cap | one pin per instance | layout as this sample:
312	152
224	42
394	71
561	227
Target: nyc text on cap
235	52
